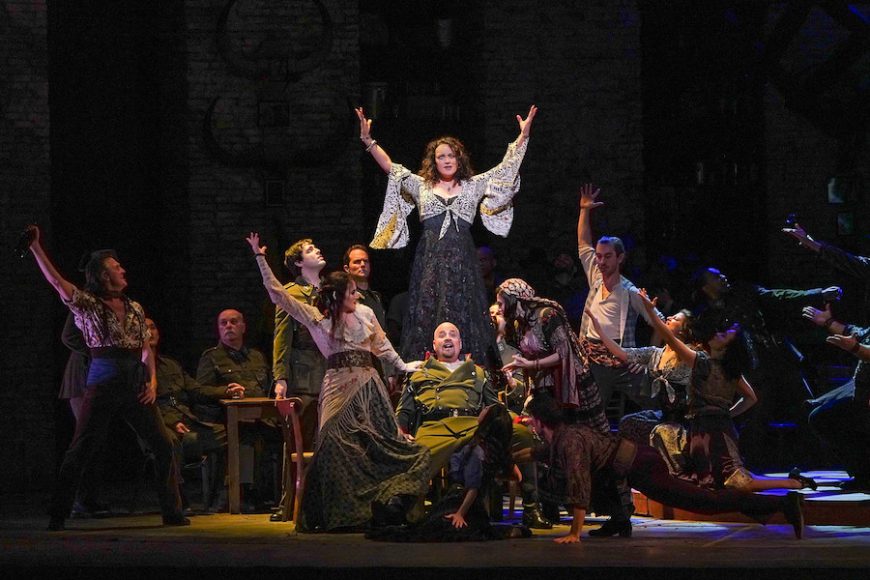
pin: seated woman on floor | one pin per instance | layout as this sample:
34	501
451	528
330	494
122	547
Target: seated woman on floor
717	378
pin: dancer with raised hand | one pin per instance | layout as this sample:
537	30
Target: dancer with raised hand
122	379
446	283
360	459
717	379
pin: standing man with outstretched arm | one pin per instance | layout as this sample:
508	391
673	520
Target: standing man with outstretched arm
613	299
121	381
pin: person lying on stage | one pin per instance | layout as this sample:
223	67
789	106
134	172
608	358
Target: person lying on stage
578	453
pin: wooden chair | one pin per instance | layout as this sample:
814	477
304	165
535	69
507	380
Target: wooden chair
295	456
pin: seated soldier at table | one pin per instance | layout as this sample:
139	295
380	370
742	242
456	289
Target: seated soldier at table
440	403
192	438
231	361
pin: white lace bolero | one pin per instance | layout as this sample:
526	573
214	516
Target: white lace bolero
493	191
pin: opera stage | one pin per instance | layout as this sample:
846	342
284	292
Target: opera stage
228	546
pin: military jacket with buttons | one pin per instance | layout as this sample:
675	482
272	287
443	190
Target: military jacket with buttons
435	391
178	392
295	355
222	365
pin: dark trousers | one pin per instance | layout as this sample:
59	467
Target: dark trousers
190	448
112	391
649	475
843	421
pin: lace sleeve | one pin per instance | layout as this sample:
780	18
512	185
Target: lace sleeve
403	193
500	184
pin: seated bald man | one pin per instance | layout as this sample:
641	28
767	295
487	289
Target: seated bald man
440	403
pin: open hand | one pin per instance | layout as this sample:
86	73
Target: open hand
457	520
647	303
149	393
816	316
525	124
569	539
588	196
254	241
365	125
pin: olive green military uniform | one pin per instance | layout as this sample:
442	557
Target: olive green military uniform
296	358
440	407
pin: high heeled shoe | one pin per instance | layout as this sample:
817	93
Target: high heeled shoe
806	482
611	528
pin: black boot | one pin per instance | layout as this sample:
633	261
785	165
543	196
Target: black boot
612	527
534	518
806	482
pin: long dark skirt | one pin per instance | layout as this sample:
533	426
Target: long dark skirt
360	458
447	286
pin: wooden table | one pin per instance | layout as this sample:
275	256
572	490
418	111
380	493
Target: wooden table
248	409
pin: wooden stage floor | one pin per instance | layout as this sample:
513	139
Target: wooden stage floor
249	546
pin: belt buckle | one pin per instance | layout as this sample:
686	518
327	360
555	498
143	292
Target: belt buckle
454	412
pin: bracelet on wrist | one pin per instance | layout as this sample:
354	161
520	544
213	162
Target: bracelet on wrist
259	254
370	145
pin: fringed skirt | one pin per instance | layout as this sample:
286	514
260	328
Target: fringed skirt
360	457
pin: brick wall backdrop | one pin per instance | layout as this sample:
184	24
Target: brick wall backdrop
802	157
580	64
27	303
279	76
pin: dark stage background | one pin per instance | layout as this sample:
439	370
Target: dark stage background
168	130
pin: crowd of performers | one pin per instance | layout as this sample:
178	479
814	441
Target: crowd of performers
488	391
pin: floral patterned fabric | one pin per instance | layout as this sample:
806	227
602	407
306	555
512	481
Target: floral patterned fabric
101	328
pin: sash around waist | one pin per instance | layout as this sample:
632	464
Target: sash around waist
349	358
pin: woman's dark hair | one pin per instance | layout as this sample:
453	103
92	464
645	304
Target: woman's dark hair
428	169
509	311
94	268
737	359
546	409
494	436
688	332
331	297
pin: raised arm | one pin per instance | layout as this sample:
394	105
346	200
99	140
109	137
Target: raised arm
611	345
684	353
588	196
858	266
378	153
383	349
64	288
307	315
526	125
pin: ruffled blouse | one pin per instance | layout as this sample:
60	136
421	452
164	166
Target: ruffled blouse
360	331
493	191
